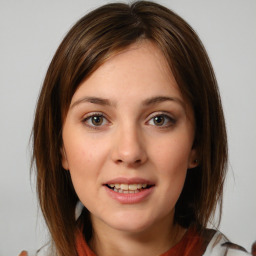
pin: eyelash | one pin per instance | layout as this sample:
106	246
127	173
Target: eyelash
168	120
88	119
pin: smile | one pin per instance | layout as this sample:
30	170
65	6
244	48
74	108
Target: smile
128	188
129	191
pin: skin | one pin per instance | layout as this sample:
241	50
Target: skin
128	142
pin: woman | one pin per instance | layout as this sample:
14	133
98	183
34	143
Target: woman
129	122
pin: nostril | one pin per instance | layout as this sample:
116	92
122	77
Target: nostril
120	161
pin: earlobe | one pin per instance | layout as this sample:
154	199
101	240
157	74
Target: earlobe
64	160
193	159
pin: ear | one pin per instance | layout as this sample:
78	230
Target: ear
193	159
64	160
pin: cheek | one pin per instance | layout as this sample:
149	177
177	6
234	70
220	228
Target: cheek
172	157
86	158
171	164
83	152
84	166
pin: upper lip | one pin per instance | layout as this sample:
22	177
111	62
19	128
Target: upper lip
135	180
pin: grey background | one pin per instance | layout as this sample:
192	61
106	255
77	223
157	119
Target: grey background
30	32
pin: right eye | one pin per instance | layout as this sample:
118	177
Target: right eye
95	120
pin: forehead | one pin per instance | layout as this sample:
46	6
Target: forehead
138	67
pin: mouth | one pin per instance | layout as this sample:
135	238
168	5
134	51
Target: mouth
123	188
129	190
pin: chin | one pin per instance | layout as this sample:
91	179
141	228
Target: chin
130	226
130	222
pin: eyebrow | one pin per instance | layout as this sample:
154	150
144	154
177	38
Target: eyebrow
94	100
160	99
106	102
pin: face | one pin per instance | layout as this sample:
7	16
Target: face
128	140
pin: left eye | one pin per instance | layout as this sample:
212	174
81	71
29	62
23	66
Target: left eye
161	120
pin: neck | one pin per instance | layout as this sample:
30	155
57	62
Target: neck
156	240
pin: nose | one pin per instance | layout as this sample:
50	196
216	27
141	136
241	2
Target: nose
129	147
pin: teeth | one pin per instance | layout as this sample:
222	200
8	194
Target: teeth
126	191
133	187
117	186
127	188
124	186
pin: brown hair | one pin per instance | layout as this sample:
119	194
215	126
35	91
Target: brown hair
91	41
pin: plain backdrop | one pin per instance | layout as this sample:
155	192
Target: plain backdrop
30	32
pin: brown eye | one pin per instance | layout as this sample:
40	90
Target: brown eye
97	120
162	120
159	120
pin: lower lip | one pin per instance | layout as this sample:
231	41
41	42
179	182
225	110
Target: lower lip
130	198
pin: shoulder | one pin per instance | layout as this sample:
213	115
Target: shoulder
219	245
